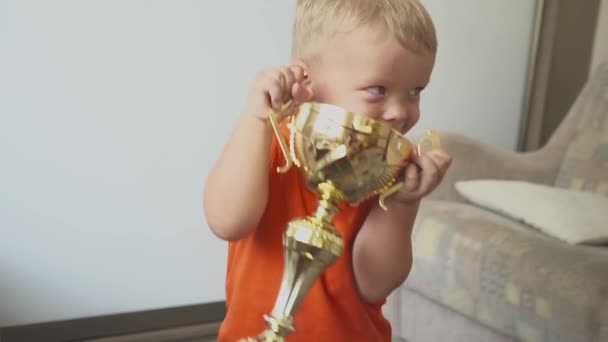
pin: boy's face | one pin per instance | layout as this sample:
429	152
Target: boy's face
380	79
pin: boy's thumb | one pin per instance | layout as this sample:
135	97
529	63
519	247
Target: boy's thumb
301	92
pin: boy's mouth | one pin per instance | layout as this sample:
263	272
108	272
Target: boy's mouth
400	127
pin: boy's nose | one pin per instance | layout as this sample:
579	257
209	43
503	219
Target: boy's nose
396	117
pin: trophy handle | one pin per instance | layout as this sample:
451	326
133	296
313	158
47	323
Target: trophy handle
274	118
433	138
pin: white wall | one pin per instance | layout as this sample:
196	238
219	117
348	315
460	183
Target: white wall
478	84
111	113
600	47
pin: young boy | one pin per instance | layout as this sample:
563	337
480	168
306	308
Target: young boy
372	57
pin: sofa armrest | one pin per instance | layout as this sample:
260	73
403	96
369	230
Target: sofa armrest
475	160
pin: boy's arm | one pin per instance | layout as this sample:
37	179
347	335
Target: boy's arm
236	190
382	251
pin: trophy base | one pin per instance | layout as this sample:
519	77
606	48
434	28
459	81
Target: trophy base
270	336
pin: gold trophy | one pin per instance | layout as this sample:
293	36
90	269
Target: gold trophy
342	156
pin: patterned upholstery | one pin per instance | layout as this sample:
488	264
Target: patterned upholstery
479	275
585	166
521	283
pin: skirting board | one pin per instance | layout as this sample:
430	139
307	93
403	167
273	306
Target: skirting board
193	319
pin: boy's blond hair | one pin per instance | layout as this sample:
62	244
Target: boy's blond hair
318	20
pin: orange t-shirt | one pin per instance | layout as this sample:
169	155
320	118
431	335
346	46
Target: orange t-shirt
332	309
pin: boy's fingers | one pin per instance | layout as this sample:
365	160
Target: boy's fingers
298	73
300	90
275	92
411	177
289	78
430	174
439	154
441	159
301	93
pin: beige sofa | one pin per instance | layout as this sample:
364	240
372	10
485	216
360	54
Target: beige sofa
480	275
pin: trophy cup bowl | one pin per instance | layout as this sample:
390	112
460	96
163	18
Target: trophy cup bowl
342	156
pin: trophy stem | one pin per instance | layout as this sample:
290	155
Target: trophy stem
311	244
327	207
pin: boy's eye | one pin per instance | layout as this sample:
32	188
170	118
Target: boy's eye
415	92
377	90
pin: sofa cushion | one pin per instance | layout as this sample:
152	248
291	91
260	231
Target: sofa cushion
585	165
573	216
510	278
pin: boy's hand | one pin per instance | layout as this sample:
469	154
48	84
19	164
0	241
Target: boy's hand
274	87
423	175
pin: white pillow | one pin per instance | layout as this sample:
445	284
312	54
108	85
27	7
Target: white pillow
573	216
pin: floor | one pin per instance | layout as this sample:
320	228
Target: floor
195	333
